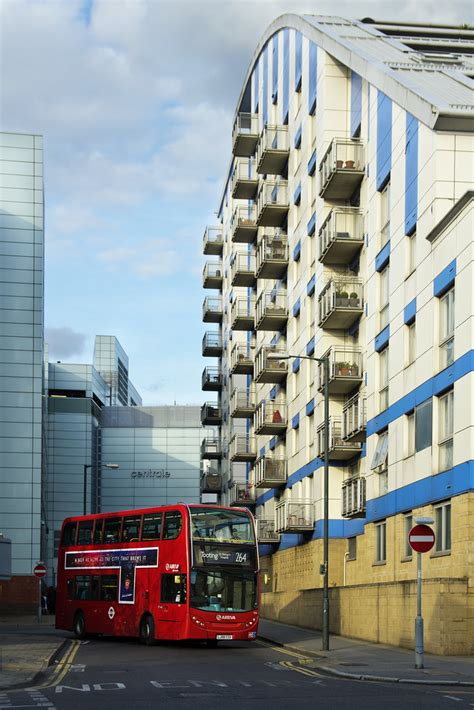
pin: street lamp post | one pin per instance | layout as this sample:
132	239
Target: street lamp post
324	361
84	490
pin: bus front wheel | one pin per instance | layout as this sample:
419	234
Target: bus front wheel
147	630
79	626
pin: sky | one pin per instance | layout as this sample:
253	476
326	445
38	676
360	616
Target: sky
135	100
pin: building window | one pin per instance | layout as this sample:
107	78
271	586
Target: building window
407	526
385	215
384	298
443	527
352	548
380	457
423	425
411	253
446	329
383	379
411	342
381	541
296	440
446	428
411	433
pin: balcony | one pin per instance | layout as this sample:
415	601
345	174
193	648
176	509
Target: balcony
211	379
266	533
243	224
242	313
270	418
353	497
241	360
270	472
354	418
211	449
271	311
212	309
345	370
341	236
242	404
243	448
212	344
339	448
213	241
341	169
341	303
211	482
272	255
273	150
245	135
244	179
212	275
242	269
211	414
270	369
294	516
272	203
242	494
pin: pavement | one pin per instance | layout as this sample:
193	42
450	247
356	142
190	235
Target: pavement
28	648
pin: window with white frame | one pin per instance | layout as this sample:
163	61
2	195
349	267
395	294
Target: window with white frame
385	215
407	526
310	309
383	379
443	527
351	548
296	440
446	429
411	343
446	329
410	433
381	541
411	253
384	298
423	425
380	463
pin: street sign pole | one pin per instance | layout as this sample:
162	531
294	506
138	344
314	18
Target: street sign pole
419	650
39	600
39	570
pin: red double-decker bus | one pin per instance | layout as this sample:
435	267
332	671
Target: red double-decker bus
172	572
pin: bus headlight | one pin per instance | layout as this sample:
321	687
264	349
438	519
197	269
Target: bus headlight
198	621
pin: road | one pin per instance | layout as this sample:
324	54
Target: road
123	675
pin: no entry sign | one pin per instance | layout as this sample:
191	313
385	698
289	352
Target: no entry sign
421	538
39	570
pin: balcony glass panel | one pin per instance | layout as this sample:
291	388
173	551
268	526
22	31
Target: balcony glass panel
341	169
272	254
211	481
270	369
243	224
242	494
242	403
241	360
242	269
270	472
211	379
294	516
245	134
243	448
273	149
341	303
270	417
341	236
211	448
339	448
212	274
212	309
213	240
266	532
271	311
242	313
345	369
272	203
244	179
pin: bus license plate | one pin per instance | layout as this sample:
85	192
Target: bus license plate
224	637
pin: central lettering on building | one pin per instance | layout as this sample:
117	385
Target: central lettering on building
150	474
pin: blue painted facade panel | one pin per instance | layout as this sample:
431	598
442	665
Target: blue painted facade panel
298	60
295	422
381	340
265	86
312	78
286	75
383	257
311	285
310	408
296	364
356	103
384	139
411	174
409	312
444	280
298	137
275	69
310	346
311	227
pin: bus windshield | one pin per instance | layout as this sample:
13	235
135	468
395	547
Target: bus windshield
219	590
221	526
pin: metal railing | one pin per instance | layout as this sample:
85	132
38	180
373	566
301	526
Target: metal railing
242	262
353	499
212	306
242	445
342	223
343	293
343	154
246	124
272	193
263	362
344	363
294	515
270	471
266	531
240	356
211	377
269	414
242	400
336	442
354	416
213	237
272	303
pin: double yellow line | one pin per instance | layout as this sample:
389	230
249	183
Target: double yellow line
288	664
62	667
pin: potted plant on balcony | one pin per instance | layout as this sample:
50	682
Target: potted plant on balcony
343	369
342	298
354	300
349	164
339	164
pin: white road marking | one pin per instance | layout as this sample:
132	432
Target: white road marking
451	697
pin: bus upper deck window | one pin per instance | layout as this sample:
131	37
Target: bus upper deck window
84	532
112	530
131	528
151	526
69	534
98	539
173	524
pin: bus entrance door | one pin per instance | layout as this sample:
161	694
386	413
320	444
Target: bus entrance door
172	610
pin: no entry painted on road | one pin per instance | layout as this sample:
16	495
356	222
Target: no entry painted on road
39	570
421	538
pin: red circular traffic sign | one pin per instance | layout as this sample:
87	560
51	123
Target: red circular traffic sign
421	538
39	570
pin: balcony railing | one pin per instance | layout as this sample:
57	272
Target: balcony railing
211	448
294	516
242	269
341	169
353	497
212	344
341	303
244	179
212	275
213	241
271	310
341	236
211	379
272	255
212	309
273	150
242	404
272	203
211	482
243	448
245	135
339	448
243	224
269	369
270	418
270	472
211	414
266	532
345	370
242	313
242	494
354	418
241	360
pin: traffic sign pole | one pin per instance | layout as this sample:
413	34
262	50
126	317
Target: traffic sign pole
39	600
419	645
39	571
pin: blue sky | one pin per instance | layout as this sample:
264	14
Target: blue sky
135	100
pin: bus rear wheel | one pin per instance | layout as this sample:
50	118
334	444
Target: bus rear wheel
147	630
79	625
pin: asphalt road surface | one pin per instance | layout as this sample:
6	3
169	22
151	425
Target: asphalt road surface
120	674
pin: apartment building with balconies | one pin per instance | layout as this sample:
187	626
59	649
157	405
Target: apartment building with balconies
345	231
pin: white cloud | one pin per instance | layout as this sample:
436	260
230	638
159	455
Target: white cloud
64	342
147	259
